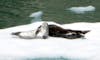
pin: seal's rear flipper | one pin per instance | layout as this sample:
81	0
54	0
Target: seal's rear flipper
15	33
84	32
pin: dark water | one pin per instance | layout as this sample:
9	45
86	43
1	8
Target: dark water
17	12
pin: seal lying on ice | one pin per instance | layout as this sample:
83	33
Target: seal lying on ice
41	32
56	31
46	30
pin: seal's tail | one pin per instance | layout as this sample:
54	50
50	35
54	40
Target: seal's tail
15	33
84	32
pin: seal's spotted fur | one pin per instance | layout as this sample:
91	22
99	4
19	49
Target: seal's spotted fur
57	31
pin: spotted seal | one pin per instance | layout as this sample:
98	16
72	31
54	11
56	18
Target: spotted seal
40	32
57	31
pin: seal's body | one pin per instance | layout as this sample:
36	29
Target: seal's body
57	31
26	34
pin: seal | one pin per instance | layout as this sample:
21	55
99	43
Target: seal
57	31
40	32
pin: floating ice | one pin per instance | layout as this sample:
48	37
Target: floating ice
82	10
37	16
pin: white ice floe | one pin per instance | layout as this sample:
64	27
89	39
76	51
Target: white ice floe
13	48
82	10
